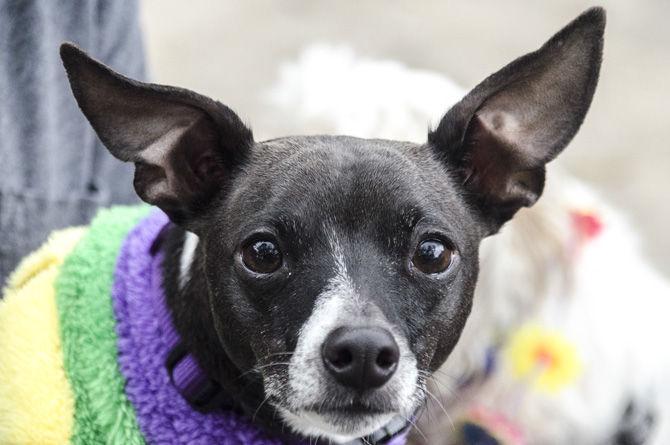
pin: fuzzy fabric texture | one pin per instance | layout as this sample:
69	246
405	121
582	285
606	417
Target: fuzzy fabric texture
38	406
103	413
139	303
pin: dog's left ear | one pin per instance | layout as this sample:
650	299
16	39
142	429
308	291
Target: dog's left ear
499	137
184	145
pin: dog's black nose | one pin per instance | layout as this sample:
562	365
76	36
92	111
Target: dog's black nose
361	358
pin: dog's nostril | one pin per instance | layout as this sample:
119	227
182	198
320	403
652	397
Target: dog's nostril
361	358
387	358
341	358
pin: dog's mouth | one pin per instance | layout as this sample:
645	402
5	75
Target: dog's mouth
340	419
338	423
340	414
357	408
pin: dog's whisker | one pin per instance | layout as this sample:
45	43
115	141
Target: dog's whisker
423	410
452	392
274	354
439	390
420	413
440	372
444	410
259	407
260	367
415	427
437	382
323	402
441	383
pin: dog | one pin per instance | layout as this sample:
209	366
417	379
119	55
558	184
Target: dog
318	281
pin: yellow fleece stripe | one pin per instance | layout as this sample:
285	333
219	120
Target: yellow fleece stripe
36	401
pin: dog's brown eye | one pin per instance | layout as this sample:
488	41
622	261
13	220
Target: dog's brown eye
261	256
432	256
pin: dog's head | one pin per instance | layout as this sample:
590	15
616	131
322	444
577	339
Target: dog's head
340	269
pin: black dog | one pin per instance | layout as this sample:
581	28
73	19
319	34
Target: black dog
328	276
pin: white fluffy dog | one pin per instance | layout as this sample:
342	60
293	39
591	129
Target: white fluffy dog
566	341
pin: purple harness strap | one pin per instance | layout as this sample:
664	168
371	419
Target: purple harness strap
147	340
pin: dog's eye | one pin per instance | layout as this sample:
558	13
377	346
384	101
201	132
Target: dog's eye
261	256
432	256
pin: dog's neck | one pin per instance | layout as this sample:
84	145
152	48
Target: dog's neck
187	298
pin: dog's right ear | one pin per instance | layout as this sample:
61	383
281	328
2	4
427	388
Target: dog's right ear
184	145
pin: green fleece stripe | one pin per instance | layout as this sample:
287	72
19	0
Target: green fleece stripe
103	414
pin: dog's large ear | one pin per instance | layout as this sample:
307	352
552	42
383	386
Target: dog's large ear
499	137
183	145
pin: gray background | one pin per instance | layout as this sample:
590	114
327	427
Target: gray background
231	50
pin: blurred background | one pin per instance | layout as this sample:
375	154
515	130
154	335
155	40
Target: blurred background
233	51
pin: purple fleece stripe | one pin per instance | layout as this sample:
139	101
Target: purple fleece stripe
163	415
